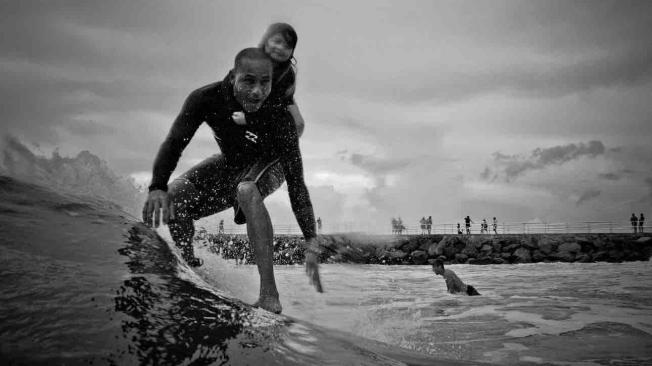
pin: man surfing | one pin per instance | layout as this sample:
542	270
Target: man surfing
242	176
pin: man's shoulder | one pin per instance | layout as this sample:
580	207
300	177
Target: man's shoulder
207	95
208	91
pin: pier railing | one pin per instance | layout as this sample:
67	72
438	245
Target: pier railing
588	227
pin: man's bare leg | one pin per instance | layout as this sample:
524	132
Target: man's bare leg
260	232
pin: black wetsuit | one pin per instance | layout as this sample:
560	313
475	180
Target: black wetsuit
249	153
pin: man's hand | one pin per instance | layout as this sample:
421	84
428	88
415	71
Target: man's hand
239	118
158	201
312	264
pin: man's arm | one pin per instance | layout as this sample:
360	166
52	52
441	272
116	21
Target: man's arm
298	192
301	204
181	132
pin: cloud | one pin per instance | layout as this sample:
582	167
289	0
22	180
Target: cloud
610	176
512	166
587	195
377	166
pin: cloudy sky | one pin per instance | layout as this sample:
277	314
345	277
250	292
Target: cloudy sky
526	111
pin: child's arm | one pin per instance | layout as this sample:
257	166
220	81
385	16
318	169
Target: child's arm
297	117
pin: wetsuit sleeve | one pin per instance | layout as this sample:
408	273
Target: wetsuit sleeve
182	130
298	192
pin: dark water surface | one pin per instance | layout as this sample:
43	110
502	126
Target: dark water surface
83	283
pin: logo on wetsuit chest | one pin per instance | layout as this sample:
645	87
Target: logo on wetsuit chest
251	137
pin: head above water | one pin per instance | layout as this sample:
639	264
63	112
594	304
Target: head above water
438	266
252	78
279	42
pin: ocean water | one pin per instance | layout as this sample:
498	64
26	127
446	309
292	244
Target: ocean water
544	313
81	282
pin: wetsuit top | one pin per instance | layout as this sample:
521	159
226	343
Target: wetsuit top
453	283
270	134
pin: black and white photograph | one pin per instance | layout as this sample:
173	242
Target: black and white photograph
325	182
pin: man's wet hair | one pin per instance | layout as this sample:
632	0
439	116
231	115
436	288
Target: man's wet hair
251	53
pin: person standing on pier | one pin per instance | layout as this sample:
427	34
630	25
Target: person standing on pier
641	222
467	222
634	221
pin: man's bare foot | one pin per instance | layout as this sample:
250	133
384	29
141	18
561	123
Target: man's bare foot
270	304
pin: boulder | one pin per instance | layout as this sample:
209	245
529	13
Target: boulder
397	254
486	248
409	245
586	245
432	250
522	255
449	246
583	258
511	247
352	255
419	257
484	260
529	242
615	256
600	256
567	251
497	245
537	256
425	244
461	258
600	244
547	246
470	250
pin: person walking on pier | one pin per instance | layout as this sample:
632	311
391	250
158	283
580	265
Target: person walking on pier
641	223
495	226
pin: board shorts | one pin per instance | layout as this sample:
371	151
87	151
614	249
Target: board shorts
214	183
471	291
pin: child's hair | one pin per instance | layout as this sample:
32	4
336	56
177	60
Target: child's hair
283	29
291	38
438	263
285	73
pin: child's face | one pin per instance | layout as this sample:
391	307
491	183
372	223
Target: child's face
438	270
278	49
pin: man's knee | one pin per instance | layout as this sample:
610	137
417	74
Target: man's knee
248	193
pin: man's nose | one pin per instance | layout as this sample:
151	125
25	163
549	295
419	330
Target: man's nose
258	90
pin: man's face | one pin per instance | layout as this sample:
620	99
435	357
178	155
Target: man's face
252	83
